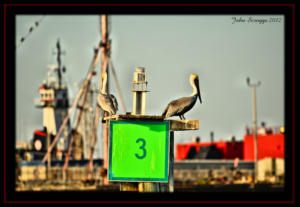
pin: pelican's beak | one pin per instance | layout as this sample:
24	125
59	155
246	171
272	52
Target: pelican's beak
198	89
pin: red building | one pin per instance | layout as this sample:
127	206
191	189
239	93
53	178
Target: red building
228	150
269	145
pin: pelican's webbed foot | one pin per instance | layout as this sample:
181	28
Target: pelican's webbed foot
102	120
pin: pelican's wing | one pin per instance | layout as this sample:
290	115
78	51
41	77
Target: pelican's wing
114	101
105	102
178	106
171	108
165	111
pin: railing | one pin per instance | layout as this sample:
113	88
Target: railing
54	174
268	130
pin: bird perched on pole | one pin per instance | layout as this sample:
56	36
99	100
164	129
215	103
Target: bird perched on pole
107	102
180	106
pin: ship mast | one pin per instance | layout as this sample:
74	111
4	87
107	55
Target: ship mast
59	53
101	52
105	46
105	50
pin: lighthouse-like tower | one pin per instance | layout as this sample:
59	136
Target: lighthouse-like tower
55	103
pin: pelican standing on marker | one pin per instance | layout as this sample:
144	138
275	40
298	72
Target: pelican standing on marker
180	106
107	102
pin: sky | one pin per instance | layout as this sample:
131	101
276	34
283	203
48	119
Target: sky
222	49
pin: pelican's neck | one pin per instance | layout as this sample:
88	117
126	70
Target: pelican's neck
104	84
195	92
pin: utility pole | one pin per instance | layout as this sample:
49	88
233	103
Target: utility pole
253	86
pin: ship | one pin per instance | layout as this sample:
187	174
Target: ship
54	101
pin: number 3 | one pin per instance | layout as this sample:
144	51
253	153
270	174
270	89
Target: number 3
142	148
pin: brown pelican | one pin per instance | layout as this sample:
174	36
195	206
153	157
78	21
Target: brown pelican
107	102
180	106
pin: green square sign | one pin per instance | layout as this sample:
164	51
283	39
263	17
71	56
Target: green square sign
138	151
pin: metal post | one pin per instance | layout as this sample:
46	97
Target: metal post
139	108
104	69
171	164
139	102
254	127
49	157
139	91
59	63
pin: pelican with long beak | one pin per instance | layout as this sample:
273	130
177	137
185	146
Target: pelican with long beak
180	106
107	102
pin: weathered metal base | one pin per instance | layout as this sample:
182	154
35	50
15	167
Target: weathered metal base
175	125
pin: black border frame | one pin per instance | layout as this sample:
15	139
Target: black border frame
9	10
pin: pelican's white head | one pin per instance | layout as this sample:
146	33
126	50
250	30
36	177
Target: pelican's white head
104	81
194	81
104	75
193	77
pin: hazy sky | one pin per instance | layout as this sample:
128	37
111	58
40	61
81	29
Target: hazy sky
221	51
